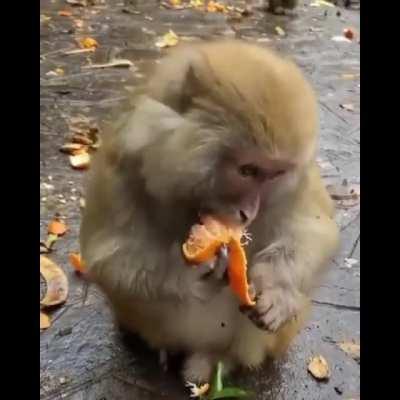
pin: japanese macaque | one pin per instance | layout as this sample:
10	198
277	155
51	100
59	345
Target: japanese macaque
225	128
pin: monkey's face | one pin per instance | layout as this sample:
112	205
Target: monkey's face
245	133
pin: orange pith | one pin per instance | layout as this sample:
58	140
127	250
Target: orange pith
203	244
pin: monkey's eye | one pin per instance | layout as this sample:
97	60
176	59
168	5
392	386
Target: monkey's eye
249	170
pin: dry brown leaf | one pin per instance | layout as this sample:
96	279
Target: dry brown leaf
350	76
80	161
78	23
57	227
319	368
56	281
175	2
82	139
349	33
113	63
82	202
76	261
347	107
64	13
170	39
351	349
88	43
44	321
72	148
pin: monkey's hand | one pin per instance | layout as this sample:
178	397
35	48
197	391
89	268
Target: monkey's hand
274	306
206	280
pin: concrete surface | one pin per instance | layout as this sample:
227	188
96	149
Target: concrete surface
83	355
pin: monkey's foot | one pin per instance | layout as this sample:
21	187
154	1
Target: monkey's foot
198	368
273	308
163	360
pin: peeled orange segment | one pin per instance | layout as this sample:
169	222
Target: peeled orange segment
237	272
204	242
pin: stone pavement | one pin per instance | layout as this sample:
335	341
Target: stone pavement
82	355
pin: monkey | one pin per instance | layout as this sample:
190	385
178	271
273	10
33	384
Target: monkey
230	129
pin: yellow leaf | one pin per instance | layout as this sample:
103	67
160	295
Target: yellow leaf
88	43
44	321
80	161
168	40
280	31
56	281
57	227
319	368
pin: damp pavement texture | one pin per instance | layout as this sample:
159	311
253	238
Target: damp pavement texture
83	355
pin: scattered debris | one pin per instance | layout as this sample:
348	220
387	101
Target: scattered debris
349	33
280	31
81	3
82	202
44	321
319	368
57	227
79	51
80	161
341	39
113	63
88	43
319	3
350	262
347	107
65	13
76	261
350	76
215	6
197	391
47	246
72	148
352	349
56	72
170	39
56	281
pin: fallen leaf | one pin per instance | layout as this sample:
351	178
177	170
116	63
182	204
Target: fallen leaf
319	3
350	262
168	40
340	39
56	72
44	321
351	349
82	202
80	161
82	140
64	13
344	191
72	148
175	2
56	281
280	31
347	107
215	6
78	23
57	227
88	43
76	261
319	368
113	63
44	18
350	76
196	3
46	246
348	33
81	3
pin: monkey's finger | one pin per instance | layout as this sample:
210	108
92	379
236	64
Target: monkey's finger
221	265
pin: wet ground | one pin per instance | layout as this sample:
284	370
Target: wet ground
82	355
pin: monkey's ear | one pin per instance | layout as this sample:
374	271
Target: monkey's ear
179	78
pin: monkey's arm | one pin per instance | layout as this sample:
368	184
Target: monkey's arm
285	271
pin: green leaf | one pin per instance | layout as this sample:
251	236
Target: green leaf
231	393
